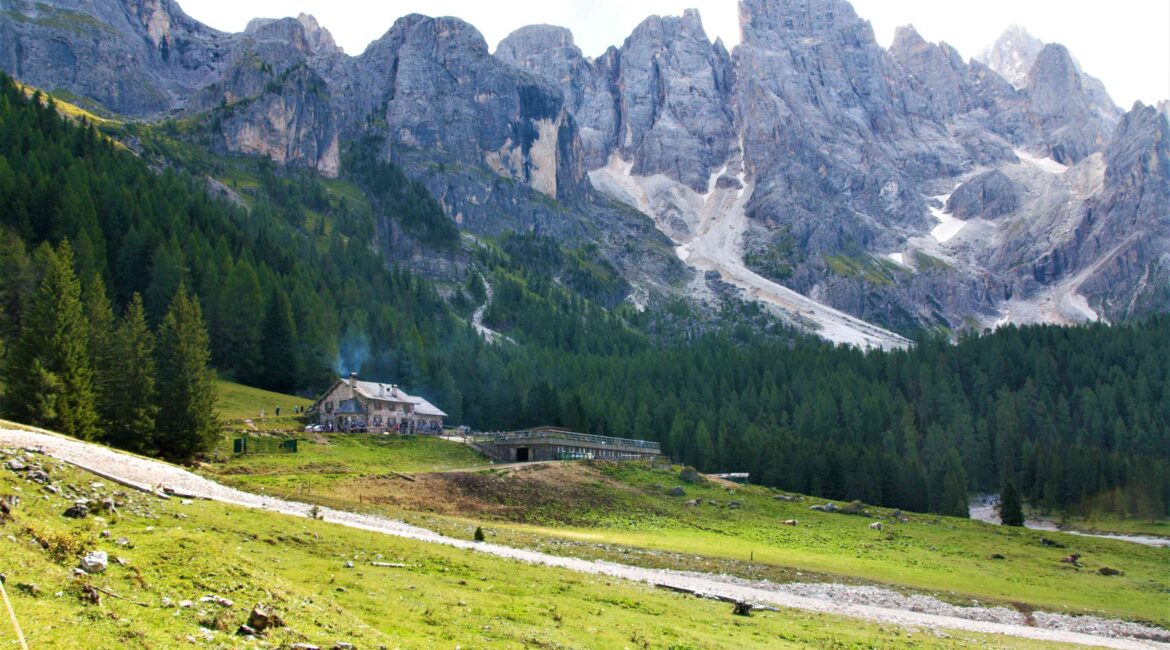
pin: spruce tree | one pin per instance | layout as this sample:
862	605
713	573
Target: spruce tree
134	409
50	376
185	385
279	356
241	316
18	281
1011	510
100	316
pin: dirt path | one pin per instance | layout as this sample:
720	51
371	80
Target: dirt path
147	474
489	334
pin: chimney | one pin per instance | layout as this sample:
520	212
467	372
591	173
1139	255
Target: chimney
353	381
394	389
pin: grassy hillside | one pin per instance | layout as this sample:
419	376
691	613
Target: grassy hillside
238	402
624	512
166	552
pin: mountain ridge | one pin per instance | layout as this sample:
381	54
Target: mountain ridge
845	153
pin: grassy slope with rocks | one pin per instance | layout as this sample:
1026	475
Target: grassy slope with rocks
175	551
623	512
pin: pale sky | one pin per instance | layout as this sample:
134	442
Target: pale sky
1125	43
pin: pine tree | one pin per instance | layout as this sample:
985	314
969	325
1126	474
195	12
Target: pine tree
241	316
134	411
185	386
704	448
50	377
18	281
100	316
279	346
1011	511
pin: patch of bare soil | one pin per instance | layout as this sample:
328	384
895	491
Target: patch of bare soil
549	493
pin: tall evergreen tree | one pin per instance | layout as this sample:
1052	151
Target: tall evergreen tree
241	318
50	376
1011	510
100	316
18	281
279	356
185	386
134	412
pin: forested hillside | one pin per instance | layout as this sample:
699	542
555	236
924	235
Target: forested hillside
290	286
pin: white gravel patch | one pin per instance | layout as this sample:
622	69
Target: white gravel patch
869	603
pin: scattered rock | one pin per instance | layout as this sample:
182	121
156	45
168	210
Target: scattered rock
695	502
166	602
1074	559
690	475
7	505
784	497
38	476
735	505
342	645
91	595
348	564
260	619
1106	571
32	589
94	562
79	510
52	489
246	630
186	604
676	491
303	646
998	556
16	465
790	522
106	534
742	609
1044	541
828	507
877	525
121	560
218	600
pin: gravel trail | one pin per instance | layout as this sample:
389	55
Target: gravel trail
869	603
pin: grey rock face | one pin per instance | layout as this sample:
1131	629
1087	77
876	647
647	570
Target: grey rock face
443	93
1127	233
1057	98
291	123
303	32
663	101
816	91
988	195
1013	54
675	90
589	87
133	57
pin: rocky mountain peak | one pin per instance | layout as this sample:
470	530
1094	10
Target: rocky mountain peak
535	40
674	101
765	21
1140	151
1053	78
1013	54
303	32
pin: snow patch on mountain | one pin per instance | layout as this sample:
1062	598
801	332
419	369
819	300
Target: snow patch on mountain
708	230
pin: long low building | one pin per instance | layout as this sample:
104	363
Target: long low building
352	405
554	443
